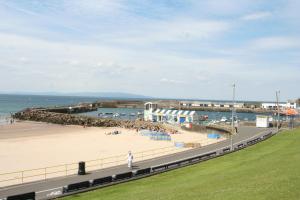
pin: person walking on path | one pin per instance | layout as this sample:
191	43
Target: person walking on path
236	125
130	159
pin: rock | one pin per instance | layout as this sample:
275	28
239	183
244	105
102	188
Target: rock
69	119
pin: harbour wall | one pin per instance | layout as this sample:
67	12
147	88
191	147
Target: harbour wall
69	119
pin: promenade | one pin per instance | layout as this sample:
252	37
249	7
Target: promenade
40	186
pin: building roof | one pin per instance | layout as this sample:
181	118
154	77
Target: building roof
174	112
157	111
192	112
186	112
180	112
168	112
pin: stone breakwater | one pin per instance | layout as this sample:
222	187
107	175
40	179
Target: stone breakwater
69	119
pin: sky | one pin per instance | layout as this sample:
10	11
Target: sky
160	48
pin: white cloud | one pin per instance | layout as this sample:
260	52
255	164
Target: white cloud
223	7
189	29
179	30
117	46
61	66
275	43
203	77
257	16
290	10
24	59
73	62
172	81
94	7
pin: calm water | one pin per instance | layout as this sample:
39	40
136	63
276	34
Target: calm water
128	111
125	113
13	103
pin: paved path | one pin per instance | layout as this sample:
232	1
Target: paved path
244	133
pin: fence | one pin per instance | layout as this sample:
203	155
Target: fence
45	173
26	176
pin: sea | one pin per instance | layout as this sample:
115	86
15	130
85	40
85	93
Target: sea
10	104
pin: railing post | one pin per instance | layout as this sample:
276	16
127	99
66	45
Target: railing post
22	176
45	173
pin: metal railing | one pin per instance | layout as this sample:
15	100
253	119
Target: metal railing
45	173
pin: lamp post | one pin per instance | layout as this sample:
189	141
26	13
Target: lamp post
277	99
232	115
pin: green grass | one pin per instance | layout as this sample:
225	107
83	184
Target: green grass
268	170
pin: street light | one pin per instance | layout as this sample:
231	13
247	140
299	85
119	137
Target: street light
277	99
232	114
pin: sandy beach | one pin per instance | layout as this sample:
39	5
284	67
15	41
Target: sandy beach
29	145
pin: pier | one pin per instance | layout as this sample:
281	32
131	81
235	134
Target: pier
73	109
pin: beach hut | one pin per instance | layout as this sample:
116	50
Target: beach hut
152	113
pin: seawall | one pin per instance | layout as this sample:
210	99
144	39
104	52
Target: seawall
69	119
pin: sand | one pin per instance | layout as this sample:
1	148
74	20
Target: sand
29	145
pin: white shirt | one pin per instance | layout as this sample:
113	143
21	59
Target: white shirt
130	157
236	124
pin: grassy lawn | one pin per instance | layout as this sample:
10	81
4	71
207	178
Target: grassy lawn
268	170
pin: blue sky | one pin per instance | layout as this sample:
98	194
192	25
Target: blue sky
177	49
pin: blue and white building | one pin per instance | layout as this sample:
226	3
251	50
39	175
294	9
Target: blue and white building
153	113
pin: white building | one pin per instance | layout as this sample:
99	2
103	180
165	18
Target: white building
152	113
149	108
262	121
211	104
273	106
292	104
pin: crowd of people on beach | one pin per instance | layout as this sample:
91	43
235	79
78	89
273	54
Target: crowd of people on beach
159	129
115	132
